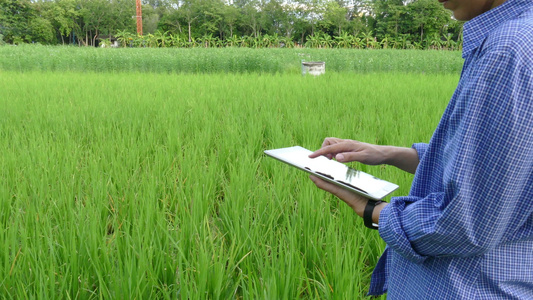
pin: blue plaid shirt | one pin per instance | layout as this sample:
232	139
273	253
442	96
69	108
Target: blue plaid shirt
466	229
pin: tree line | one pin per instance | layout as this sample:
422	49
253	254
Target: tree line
420	24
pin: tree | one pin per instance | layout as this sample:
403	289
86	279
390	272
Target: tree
250	18
94	16
41	30
272	16
67	20
151	19
230	15
61	16
427	18
120	16
335	15
188	11
15	18
210	17
288	23
313	12
394	23
156	4
387	17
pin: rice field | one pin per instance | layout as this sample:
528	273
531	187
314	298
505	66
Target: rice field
224	60
153	185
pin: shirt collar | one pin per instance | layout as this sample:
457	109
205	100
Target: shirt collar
476	30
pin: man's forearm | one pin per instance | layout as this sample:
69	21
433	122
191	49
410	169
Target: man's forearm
403	158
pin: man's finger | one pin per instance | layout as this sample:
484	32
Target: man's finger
330	141
329	187
349	156
332	150
324	185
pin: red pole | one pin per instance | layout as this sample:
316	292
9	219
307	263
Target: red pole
139	18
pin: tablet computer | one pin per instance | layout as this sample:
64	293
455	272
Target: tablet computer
335	172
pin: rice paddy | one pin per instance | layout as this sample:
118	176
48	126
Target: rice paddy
123	184
224	60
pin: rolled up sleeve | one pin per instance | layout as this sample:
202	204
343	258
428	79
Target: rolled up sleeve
420	149
484	173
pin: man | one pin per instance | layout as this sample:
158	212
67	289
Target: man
466	229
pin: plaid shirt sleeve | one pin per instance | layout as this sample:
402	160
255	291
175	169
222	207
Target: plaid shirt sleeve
486	167
420	149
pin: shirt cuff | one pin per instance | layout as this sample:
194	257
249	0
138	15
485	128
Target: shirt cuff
420	149
391	230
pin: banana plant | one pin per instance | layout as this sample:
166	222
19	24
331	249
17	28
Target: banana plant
402	41
139	41
384	43
162	38
275	40
266	41
326	41
356	42
175	40
124	38
287	42
395	44
448	41
232	41
313	41
219	43
257	42
343	40
368	39
151	41
208	41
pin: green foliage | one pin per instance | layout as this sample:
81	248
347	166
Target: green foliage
335	17
365	40
42	31
154	186
421	22
15	17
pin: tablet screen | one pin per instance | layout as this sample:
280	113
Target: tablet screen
335	172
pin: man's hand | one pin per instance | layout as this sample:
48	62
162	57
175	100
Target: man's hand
355	201
349	150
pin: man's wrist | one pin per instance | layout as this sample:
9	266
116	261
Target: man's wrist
388	154
403	158
371	211
368	214
377	211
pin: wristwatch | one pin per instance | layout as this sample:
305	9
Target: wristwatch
367	214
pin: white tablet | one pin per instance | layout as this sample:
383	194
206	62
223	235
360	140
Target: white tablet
334	172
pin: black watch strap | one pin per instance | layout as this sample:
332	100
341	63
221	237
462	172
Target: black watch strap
367	214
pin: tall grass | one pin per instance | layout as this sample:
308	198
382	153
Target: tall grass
138	185
229	60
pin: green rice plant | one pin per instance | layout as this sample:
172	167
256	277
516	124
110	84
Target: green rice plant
223	60
155	186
